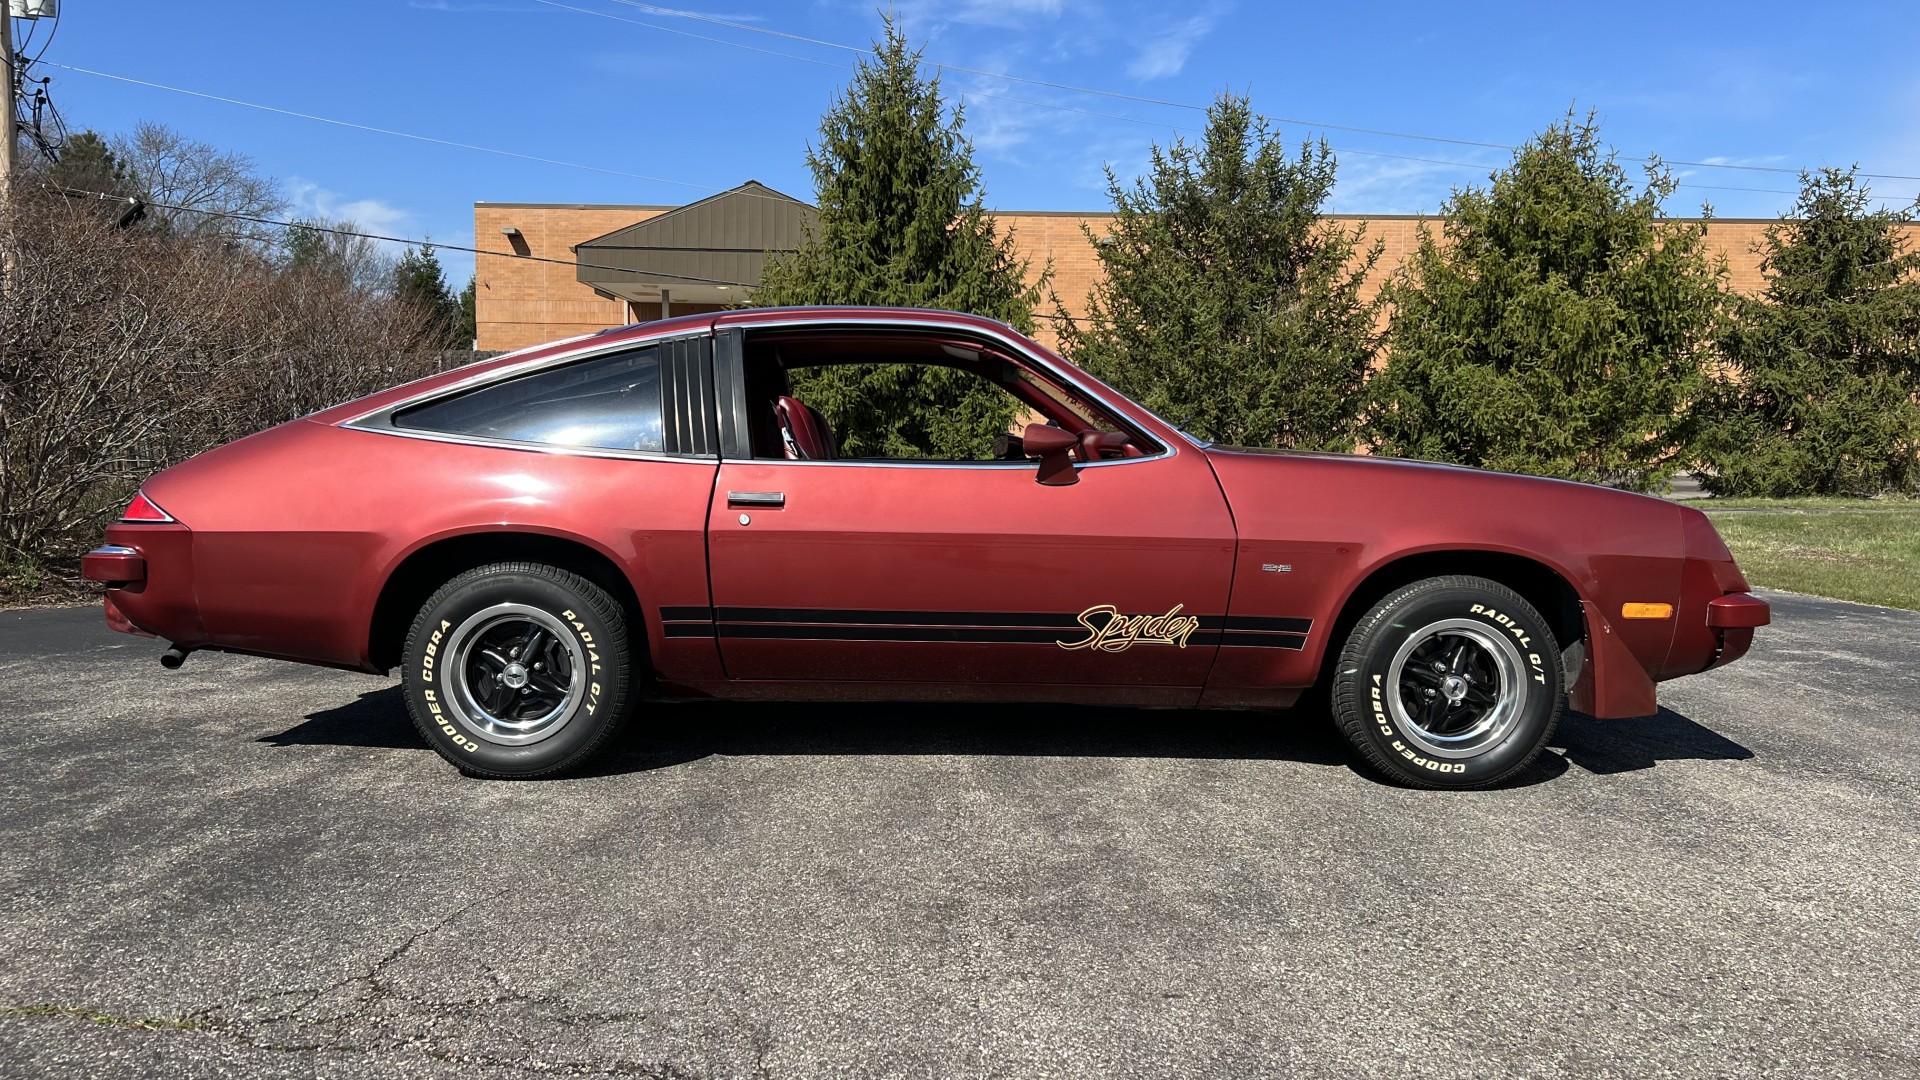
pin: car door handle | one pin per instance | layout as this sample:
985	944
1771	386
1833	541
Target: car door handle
774	499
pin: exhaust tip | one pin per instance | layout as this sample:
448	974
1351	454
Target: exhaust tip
174	657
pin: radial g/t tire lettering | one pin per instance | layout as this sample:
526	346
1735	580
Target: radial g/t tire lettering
1450	682
519	670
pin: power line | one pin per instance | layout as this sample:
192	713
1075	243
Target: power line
337	231
380	130
842	67
696	37
1298	122
940	66
434	140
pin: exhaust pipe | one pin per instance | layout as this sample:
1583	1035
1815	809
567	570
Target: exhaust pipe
173	657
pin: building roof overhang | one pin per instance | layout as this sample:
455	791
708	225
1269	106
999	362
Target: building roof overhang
707	252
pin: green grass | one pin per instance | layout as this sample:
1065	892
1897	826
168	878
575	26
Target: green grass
149	1023
1863	550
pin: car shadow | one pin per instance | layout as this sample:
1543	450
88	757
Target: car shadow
681	733
1618	746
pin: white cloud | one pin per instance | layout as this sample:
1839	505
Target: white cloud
1167	52
310	200
458	6
1384	185
925	19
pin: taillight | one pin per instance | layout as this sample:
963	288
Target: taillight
142	511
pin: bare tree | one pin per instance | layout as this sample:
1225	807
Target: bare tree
173	170
123	351
319	248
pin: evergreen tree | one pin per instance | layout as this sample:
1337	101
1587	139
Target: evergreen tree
89	165
1228	305
1558	328
1818	394
467	326
901	222
418	280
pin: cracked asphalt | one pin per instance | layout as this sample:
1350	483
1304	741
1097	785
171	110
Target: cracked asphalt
253	869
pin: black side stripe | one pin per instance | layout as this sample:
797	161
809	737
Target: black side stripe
1255	622
833	617
822	632
1291	642
983	627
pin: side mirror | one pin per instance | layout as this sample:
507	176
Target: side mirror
1053	447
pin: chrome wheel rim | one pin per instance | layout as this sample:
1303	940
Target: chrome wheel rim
517	673
1459	688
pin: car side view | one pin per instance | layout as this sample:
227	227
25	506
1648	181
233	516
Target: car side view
550	544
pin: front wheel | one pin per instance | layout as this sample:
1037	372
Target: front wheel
518	670
1451	682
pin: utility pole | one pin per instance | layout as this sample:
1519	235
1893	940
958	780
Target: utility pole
7	134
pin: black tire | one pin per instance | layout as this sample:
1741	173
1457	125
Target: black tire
1451	682
496	713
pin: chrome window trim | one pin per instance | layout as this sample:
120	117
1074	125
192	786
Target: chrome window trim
380	421
1012	343
538	448
865	463
514	371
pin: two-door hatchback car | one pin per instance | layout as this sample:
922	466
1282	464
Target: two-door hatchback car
547	542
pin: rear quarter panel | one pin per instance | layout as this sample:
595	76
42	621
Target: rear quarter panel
296	530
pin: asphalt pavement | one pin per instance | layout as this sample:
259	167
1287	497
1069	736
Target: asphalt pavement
254	869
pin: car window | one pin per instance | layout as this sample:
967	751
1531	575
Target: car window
609	402
910	412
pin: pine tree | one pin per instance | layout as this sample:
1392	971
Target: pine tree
902	222
89	167
1229	306
419	280
1558	328
467	327
1818	394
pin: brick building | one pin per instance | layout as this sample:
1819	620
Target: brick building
691	258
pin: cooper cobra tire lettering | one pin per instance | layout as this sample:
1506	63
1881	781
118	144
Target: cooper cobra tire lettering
440	645
433	650
1377	703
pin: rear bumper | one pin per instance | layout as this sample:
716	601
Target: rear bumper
114	565
148	572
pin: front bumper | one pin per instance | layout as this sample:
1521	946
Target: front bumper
1738	610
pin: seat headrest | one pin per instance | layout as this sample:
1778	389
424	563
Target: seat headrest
804	433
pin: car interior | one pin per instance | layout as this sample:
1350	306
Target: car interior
783	426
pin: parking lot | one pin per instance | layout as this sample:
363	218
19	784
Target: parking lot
254	869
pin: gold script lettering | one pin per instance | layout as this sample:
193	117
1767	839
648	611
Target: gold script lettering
1109	631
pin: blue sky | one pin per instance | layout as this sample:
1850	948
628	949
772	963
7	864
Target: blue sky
1762	83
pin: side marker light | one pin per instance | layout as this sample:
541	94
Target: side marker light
1646	611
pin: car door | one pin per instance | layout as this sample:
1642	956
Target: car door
969	573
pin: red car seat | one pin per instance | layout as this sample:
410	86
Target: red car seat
804	433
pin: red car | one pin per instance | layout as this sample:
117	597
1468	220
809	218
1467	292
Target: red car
549	542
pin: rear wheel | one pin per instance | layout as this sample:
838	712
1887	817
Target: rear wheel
1449	682
518	670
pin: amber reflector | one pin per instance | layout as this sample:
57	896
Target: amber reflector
141	509
1646	611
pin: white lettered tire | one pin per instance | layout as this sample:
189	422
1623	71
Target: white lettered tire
1450	682
518	670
